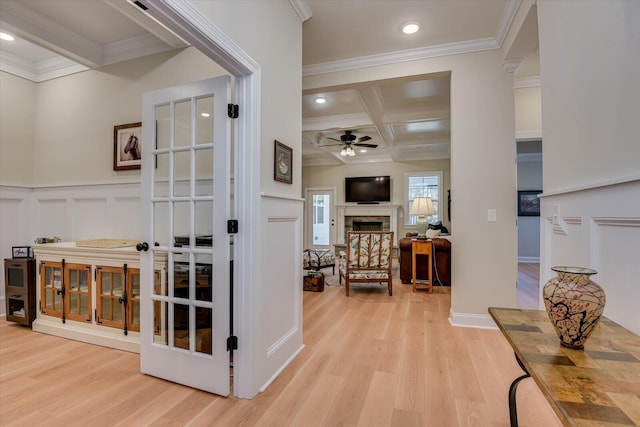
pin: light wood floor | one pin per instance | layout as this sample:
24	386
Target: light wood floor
369	360
528	285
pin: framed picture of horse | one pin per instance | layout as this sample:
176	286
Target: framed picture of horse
127	148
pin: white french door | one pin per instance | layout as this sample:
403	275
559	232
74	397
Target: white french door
184	303
321	229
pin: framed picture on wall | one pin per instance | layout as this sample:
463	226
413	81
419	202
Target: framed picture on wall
127	147
282	163
529	203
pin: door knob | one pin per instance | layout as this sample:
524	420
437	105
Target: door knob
142	246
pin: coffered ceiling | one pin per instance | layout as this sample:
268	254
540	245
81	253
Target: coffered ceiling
407	118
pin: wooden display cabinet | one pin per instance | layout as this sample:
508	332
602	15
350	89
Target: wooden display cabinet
20	290
118	297
65	290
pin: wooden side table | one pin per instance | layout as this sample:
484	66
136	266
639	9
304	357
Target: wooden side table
422	247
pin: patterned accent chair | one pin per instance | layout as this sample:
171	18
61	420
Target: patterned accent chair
317	259
367	259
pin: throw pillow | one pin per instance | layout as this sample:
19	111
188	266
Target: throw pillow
433	233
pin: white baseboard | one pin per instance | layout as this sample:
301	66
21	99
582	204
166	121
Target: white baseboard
469	320
284	365
529	259
106	337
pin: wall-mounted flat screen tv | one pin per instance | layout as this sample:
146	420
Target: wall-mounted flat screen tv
367	189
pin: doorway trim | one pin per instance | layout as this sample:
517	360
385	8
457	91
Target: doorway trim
187	22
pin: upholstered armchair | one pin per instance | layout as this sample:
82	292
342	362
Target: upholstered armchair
317	259
367	258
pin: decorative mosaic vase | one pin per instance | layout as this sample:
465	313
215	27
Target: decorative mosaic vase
574	304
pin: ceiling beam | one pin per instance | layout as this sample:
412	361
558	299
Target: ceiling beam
38	29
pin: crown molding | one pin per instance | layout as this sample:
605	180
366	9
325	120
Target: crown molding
506	19
528	135
302	9
41	71
512	65
469	46
524	82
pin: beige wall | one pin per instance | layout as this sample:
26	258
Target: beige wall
589	67
333	176
263	31
483	174
528	109
17	126
75	114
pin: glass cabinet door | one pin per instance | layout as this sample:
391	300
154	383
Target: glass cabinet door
78	292
133	311
109	291
51	281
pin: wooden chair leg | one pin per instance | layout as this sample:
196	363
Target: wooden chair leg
346	281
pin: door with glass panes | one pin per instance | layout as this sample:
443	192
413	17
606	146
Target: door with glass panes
186	204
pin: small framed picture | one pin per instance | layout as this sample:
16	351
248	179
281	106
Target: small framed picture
127	146
529	203
282	163
21	252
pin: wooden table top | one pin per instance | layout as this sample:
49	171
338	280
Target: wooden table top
599	385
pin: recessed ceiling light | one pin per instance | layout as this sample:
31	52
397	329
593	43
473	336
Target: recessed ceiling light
363	151
7	37
205	114
410	28
320	100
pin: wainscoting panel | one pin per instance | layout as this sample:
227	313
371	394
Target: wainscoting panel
599	228
280	286
616	264
89	218
14	212
51	217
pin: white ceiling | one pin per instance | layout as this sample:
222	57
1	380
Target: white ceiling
408	118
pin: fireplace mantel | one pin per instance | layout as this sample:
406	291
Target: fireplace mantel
366	210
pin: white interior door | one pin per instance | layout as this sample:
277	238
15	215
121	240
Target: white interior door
321	229
184	303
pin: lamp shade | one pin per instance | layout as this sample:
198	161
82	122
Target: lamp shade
422	206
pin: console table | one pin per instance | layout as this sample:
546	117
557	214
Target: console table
599	385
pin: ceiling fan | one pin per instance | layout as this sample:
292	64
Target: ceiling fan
348	140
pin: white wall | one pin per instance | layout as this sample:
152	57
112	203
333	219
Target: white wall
483	175
333	176
591	151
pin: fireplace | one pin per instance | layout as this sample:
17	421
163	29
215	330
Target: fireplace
367	226
348	215
366	223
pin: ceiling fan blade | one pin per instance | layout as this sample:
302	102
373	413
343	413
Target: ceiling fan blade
333	139
366	145
330	145
364	138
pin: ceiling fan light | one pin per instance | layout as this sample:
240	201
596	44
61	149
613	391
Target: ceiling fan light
343	152
410	28
350	152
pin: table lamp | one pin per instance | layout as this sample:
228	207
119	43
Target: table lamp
422	206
